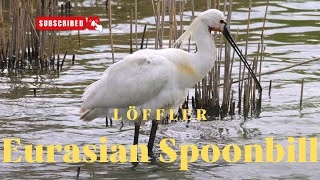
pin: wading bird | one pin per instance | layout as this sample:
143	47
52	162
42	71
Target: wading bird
158	79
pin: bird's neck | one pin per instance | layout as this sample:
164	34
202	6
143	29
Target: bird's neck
206	51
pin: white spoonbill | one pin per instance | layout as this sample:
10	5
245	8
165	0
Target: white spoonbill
158	79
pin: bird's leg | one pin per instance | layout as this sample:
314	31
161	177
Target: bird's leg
152	137
121	125
107	122
136	133
136	138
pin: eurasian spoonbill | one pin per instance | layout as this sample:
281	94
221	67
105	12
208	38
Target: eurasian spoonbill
158	79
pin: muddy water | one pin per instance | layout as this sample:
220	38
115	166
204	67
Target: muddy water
292	36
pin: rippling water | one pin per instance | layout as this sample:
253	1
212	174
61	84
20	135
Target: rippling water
292	35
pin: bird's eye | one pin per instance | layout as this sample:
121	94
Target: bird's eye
222	21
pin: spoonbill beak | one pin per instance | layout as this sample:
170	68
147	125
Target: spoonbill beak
228	36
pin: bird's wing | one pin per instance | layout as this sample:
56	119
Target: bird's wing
133	81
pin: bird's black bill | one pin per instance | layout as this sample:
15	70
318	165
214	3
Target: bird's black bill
228	36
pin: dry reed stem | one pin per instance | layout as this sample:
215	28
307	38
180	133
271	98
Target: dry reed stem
143	36
301	94
227	64
270	86
157	26
131	41
110	30
136	21
280	69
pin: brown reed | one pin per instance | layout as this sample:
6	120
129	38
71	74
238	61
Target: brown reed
301	94
22	45
109	12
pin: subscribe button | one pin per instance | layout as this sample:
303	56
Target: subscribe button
68	23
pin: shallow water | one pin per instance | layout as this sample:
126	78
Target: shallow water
292	35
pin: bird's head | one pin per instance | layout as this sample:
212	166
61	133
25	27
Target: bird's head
214	19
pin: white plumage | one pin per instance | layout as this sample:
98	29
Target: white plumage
154	79
158	79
